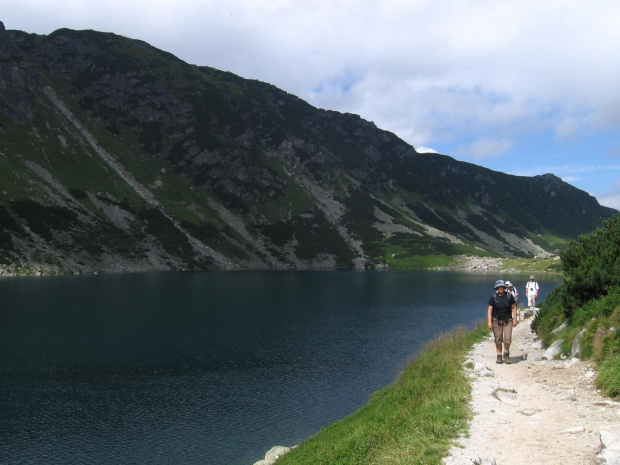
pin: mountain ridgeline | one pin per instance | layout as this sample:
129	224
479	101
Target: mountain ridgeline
117	156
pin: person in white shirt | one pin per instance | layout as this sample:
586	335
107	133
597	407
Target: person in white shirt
531	291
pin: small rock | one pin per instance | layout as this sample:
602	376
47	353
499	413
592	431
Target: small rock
554	349
608	457
576	348
481	370
538	345
606	403
574	430
559	328
610	439
274	454
610	454
484	461
568	395
507	396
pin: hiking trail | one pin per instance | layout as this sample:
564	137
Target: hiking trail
534	411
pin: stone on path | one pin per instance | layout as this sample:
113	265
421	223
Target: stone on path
610	440
481	369
506	396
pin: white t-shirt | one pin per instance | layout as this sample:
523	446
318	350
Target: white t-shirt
531	287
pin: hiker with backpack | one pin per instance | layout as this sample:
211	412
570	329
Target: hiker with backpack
531	291
501	318
513	290
510	289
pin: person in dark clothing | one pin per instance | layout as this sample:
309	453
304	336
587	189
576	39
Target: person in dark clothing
501	318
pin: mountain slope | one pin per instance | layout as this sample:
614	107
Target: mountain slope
119	156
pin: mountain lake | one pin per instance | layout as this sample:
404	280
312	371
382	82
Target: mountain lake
210	368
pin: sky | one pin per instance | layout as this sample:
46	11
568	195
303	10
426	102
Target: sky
527	87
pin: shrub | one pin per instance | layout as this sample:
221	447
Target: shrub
608	380
591	266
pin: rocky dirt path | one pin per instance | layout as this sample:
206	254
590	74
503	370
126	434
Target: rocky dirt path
535	411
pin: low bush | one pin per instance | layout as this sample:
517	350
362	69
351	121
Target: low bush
609	377
591	266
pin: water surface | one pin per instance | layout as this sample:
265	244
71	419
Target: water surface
208	368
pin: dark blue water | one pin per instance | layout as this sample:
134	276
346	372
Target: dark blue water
208	368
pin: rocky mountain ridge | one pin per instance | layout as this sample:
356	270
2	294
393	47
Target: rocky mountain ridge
117	156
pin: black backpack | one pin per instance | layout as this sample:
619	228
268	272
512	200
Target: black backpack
502	316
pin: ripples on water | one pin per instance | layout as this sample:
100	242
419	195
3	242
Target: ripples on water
207	368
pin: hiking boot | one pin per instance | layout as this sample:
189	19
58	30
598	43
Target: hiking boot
507	357
499	358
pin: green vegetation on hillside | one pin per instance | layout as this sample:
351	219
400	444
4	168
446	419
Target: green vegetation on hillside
260	177
589	299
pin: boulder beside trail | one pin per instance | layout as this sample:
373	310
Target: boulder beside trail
554	350
576	348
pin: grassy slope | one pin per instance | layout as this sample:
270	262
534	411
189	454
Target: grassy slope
588	301
600	318
534	265
412	421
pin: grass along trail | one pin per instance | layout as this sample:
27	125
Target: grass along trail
533	411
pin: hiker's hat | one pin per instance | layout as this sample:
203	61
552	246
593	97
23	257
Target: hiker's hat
508	284
532	277
500	283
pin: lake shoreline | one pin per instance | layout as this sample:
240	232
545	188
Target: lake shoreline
462	263
516	399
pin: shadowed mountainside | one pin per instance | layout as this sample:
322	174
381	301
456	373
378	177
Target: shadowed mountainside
118	156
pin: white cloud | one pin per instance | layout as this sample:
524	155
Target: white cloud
568	170
570	179
484	148
430	70
422	149
611	198
438	74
